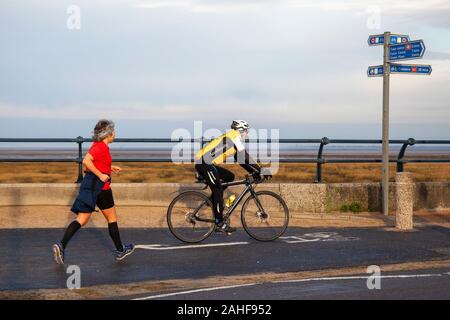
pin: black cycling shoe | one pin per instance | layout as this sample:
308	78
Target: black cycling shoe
225	228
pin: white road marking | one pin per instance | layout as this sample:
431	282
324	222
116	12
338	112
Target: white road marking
194	246
401	276
308	237
194	291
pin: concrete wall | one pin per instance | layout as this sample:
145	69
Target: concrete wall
302	197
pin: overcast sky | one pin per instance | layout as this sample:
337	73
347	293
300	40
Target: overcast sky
157	65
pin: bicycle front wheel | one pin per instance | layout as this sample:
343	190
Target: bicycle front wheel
266	216
190	217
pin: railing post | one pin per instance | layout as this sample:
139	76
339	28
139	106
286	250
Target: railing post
257	149
320	161
79	140
401	154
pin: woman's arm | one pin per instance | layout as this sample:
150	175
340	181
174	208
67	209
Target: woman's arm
116	169
88	161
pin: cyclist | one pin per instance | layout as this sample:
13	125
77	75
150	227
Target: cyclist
216	152
95	190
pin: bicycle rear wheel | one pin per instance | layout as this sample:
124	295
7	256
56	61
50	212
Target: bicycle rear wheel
190	217
266	217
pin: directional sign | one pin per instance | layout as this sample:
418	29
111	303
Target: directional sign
378	71
398	38
411	69
375	71
407	51
378	40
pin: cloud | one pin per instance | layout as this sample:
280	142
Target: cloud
203	6
168	65
110	109
430	12
294	104
393	6
433	55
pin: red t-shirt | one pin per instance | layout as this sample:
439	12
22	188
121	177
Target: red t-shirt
102	159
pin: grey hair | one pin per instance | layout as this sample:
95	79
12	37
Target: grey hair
102	129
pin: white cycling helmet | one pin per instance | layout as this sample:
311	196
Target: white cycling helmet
240	125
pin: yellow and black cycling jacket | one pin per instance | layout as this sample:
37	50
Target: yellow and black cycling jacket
228	144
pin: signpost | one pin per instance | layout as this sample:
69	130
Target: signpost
386	80
396	47
378	39
407	51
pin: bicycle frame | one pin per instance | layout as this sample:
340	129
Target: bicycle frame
249	188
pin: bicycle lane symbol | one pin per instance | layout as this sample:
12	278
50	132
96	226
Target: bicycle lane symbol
316	237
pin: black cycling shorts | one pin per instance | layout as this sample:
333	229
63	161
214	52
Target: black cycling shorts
105	199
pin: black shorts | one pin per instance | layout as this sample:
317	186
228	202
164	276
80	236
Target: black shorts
105	199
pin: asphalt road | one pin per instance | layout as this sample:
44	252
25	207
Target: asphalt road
26	260
426	284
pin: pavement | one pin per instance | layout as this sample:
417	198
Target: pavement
17	217
239	266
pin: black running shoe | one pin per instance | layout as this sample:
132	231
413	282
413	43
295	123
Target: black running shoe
58	253
225	228
127	250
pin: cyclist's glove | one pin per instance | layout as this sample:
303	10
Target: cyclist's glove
266	173
257	176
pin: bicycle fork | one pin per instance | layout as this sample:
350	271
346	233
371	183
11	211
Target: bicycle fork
261	214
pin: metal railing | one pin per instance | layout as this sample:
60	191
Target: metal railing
319	160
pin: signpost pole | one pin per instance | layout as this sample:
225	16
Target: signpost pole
385	171
401	48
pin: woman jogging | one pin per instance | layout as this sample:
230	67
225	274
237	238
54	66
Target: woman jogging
95	190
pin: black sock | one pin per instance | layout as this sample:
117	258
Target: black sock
70	231
115	235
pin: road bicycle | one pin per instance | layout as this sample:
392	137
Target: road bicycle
264	214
